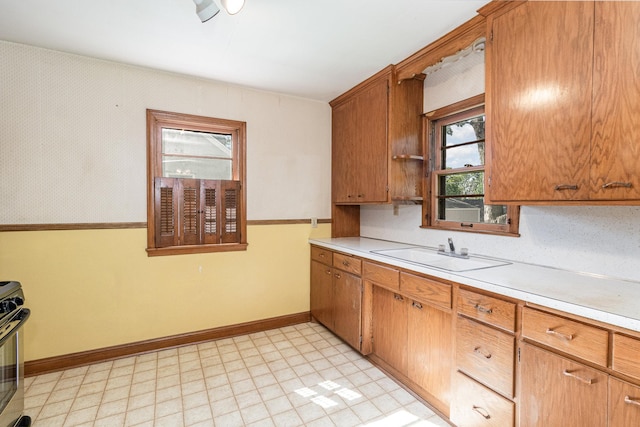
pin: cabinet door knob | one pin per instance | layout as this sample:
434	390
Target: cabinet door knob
398	297
328	272
617	184
416	305
568	373
567	337
480	410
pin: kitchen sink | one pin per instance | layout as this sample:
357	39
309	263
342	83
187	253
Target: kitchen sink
431	258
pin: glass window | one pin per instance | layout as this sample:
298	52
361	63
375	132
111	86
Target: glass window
196	198
456	142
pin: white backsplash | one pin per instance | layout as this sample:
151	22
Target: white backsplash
594	239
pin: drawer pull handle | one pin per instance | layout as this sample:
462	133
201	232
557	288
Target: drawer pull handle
629	400
417	305
565	187
482	353
338	276
480	410
482	309
328	272
322	254
567	337
588	381
398	297
617	184
345	263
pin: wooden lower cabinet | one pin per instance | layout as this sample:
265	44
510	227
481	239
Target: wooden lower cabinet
429	349
477	406
321	301
336	294
556	391
347	300
624	404
389	328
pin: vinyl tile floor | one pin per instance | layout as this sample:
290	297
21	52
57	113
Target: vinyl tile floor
298	375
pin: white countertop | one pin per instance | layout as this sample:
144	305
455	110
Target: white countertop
606	299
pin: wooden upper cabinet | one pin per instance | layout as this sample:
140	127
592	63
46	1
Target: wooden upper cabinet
562	102
539	59
377	154
359	146
616	102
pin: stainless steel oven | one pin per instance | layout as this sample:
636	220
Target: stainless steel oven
13	315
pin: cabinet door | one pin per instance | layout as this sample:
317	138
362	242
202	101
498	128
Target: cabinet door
390	328
359	146
624	404
539	102
343	151
347	303
616	104
322	293
429	350
559	392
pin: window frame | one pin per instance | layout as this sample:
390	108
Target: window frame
432	148
156	121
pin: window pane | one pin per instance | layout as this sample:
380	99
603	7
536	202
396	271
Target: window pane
463	156
198	168
468	130
192	143
458	184
471	210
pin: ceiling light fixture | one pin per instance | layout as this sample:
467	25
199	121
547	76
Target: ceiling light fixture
232	6
206	9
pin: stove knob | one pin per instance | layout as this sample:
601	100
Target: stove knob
18	300
8	306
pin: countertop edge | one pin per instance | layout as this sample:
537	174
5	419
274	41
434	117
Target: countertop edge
600	315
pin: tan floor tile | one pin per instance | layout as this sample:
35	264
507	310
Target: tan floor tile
168	407
55	409
82	416
224	406
173	420
197	415
115	420
266	379
117	393
109	409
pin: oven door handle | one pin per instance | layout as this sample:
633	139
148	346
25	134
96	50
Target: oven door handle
12	326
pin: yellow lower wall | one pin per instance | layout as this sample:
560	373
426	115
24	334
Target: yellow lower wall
90	289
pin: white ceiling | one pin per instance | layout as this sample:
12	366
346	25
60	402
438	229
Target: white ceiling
309	48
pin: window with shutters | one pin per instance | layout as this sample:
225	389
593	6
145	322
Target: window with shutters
196	195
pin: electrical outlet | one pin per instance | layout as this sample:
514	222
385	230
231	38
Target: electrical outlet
314	222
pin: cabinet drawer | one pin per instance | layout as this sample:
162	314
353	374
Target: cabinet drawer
624	404
425	290
321	255
578	339
383	276
487	309
475	405
626	355
347	263
485	354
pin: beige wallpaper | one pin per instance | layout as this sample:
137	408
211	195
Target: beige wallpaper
73	139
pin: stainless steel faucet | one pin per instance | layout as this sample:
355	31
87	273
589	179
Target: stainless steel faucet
464	252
